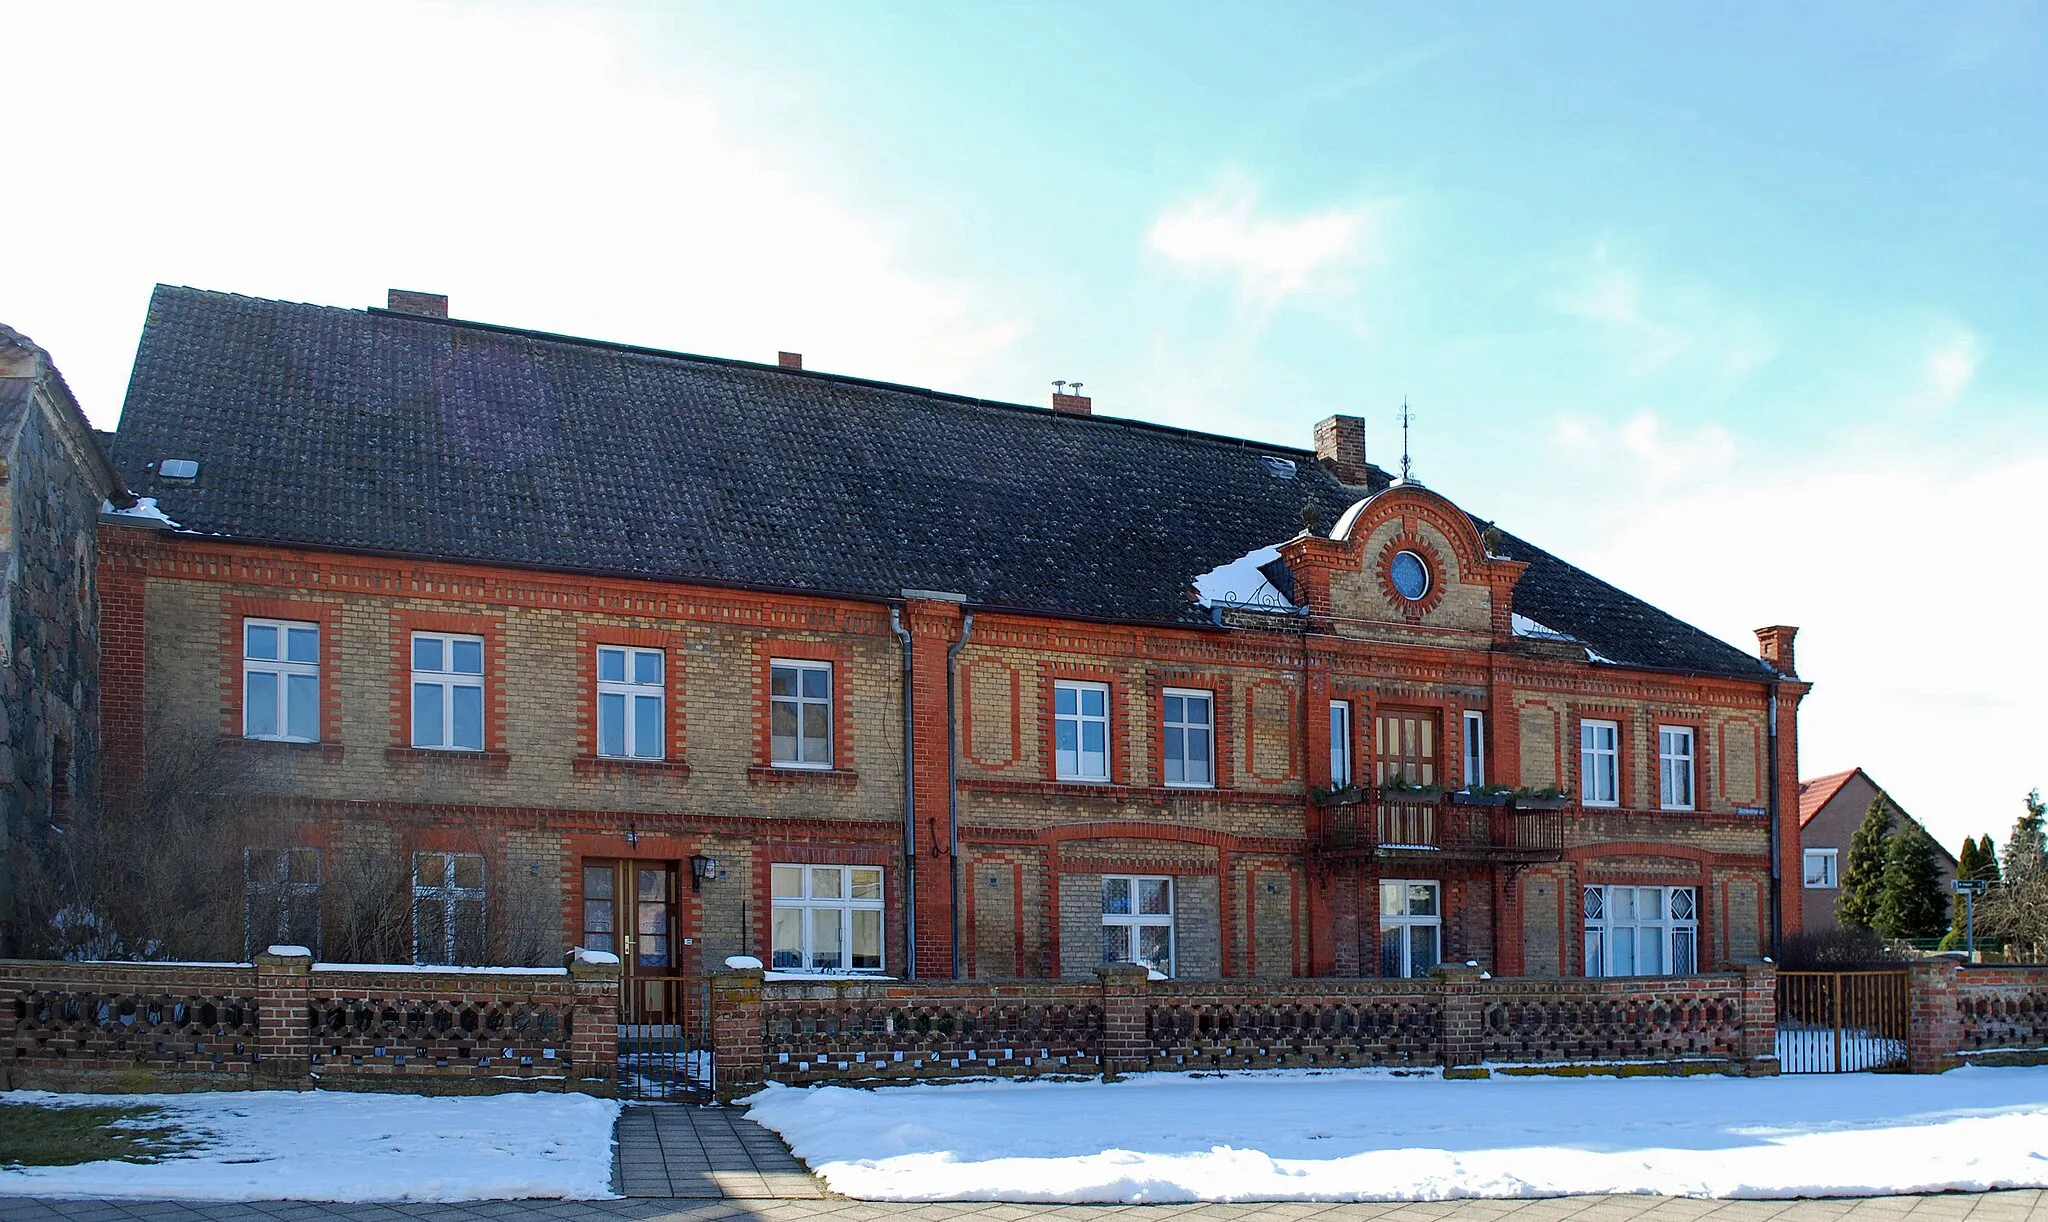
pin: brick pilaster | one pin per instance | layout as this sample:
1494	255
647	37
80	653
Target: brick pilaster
1126	1042
1758	1048
1934	1025
1459	1014
284	1029
594	1038
738	1051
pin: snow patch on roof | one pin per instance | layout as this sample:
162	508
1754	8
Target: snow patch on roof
144	508
1240	583
1594	655
1524	626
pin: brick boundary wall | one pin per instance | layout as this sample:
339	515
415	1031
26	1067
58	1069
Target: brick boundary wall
870	1032
284	1023
2002	1014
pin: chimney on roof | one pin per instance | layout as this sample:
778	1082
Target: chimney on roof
1774	646
1340	447
405	301
1076	404
790	360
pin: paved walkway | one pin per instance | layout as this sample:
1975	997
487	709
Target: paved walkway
682	1150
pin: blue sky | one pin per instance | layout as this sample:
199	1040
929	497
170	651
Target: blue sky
1736	305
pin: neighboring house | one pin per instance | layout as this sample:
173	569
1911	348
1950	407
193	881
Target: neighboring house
53	479
719	657
1830	808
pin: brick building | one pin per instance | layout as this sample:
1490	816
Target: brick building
688	657
1831	808
53	479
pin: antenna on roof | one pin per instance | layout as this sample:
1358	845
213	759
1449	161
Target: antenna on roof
1406	416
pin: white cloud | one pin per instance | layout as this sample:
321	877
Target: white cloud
1643	450
1657	327
1272	256
1915	585
520	160
1951	367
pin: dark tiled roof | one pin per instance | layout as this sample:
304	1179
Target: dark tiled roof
392	433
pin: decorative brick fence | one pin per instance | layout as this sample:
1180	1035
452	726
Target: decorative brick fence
869	1032
2002	1014
285	1022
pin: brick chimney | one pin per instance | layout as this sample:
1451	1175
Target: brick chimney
1774	646
405	301
790	360
1340	447
1072	405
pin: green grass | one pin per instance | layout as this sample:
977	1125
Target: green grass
36	1136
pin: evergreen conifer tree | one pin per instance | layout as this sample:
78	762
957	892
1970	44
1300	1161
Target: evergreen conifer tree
1987	859
1863	879
1910	902
2027	848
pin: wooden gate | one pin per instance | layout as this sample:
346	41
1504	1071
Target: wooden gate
1842	1022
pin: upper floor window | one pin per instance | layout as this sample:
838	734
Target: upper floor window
800	714
1189	737
629	698
1674	767
448	908
1340	744
447	691
1599	763
1820	868
1080	730
1407	748
1475	748
281	680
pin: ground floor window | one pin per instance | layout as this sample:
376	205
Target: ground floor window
1642	931
1137	921
828	918
281	897
448	908
1411	926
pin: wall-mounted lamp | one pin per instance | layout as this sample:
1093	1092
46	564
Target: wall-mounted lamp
632	837
701	868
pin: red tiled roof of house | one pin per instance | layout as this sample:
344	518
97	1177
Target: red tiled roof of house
1817	792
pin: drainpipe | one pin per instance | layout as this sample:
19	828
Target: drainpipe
1777	871
909	804
953	782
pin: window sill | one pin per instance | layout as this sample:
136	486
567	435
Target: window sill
622	766
494	760
823	776
1055	789
280	749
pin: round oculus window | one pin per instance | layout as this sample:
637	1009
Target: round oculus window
1410	575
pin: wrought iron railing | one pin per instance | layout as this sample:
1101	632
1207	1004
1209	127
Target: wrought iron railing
1427	823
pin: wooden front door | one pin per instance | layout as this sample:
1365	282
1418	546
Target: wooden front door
1404	746
629	908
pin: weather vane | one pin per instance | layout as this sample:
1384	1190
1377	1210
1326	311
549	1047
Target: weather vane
1406	416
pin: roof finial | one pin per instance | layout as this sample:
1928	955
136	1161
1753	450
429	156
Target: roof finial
1406	416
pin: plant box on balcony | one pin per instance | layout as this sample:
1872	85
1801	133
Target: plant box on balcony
1350	796
1557	803
1411	795
1460	797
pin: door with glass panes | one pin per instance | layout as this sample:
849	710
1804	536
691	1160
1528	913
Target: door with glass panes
629	908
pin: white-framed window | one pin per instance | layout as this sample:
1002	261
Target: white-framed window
1599	763
1475	748
1674	767
1641	931
1340	744
1411	926
1188	736
1137	921
447	691
629	702
281	897
1080	731
799	714
1821	868
281	680
827	918
448	908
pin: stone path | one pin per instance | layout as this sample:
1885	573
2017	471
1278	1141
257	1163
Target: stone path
683	1150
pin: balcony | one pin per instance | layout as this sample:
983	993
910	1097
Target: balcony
1383	825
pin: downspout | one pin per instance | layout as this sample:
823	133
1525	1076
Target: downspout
909	805
953	784
1777	871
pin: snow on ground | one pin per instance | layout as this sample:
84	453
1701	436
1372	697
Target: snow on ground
334	1146
1375	1136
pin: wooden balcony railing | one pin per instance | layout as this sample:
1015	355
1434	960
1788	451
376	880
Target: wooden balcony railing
1386	824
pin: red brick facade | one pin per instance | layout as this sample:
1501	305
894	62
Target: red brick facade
1261	886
